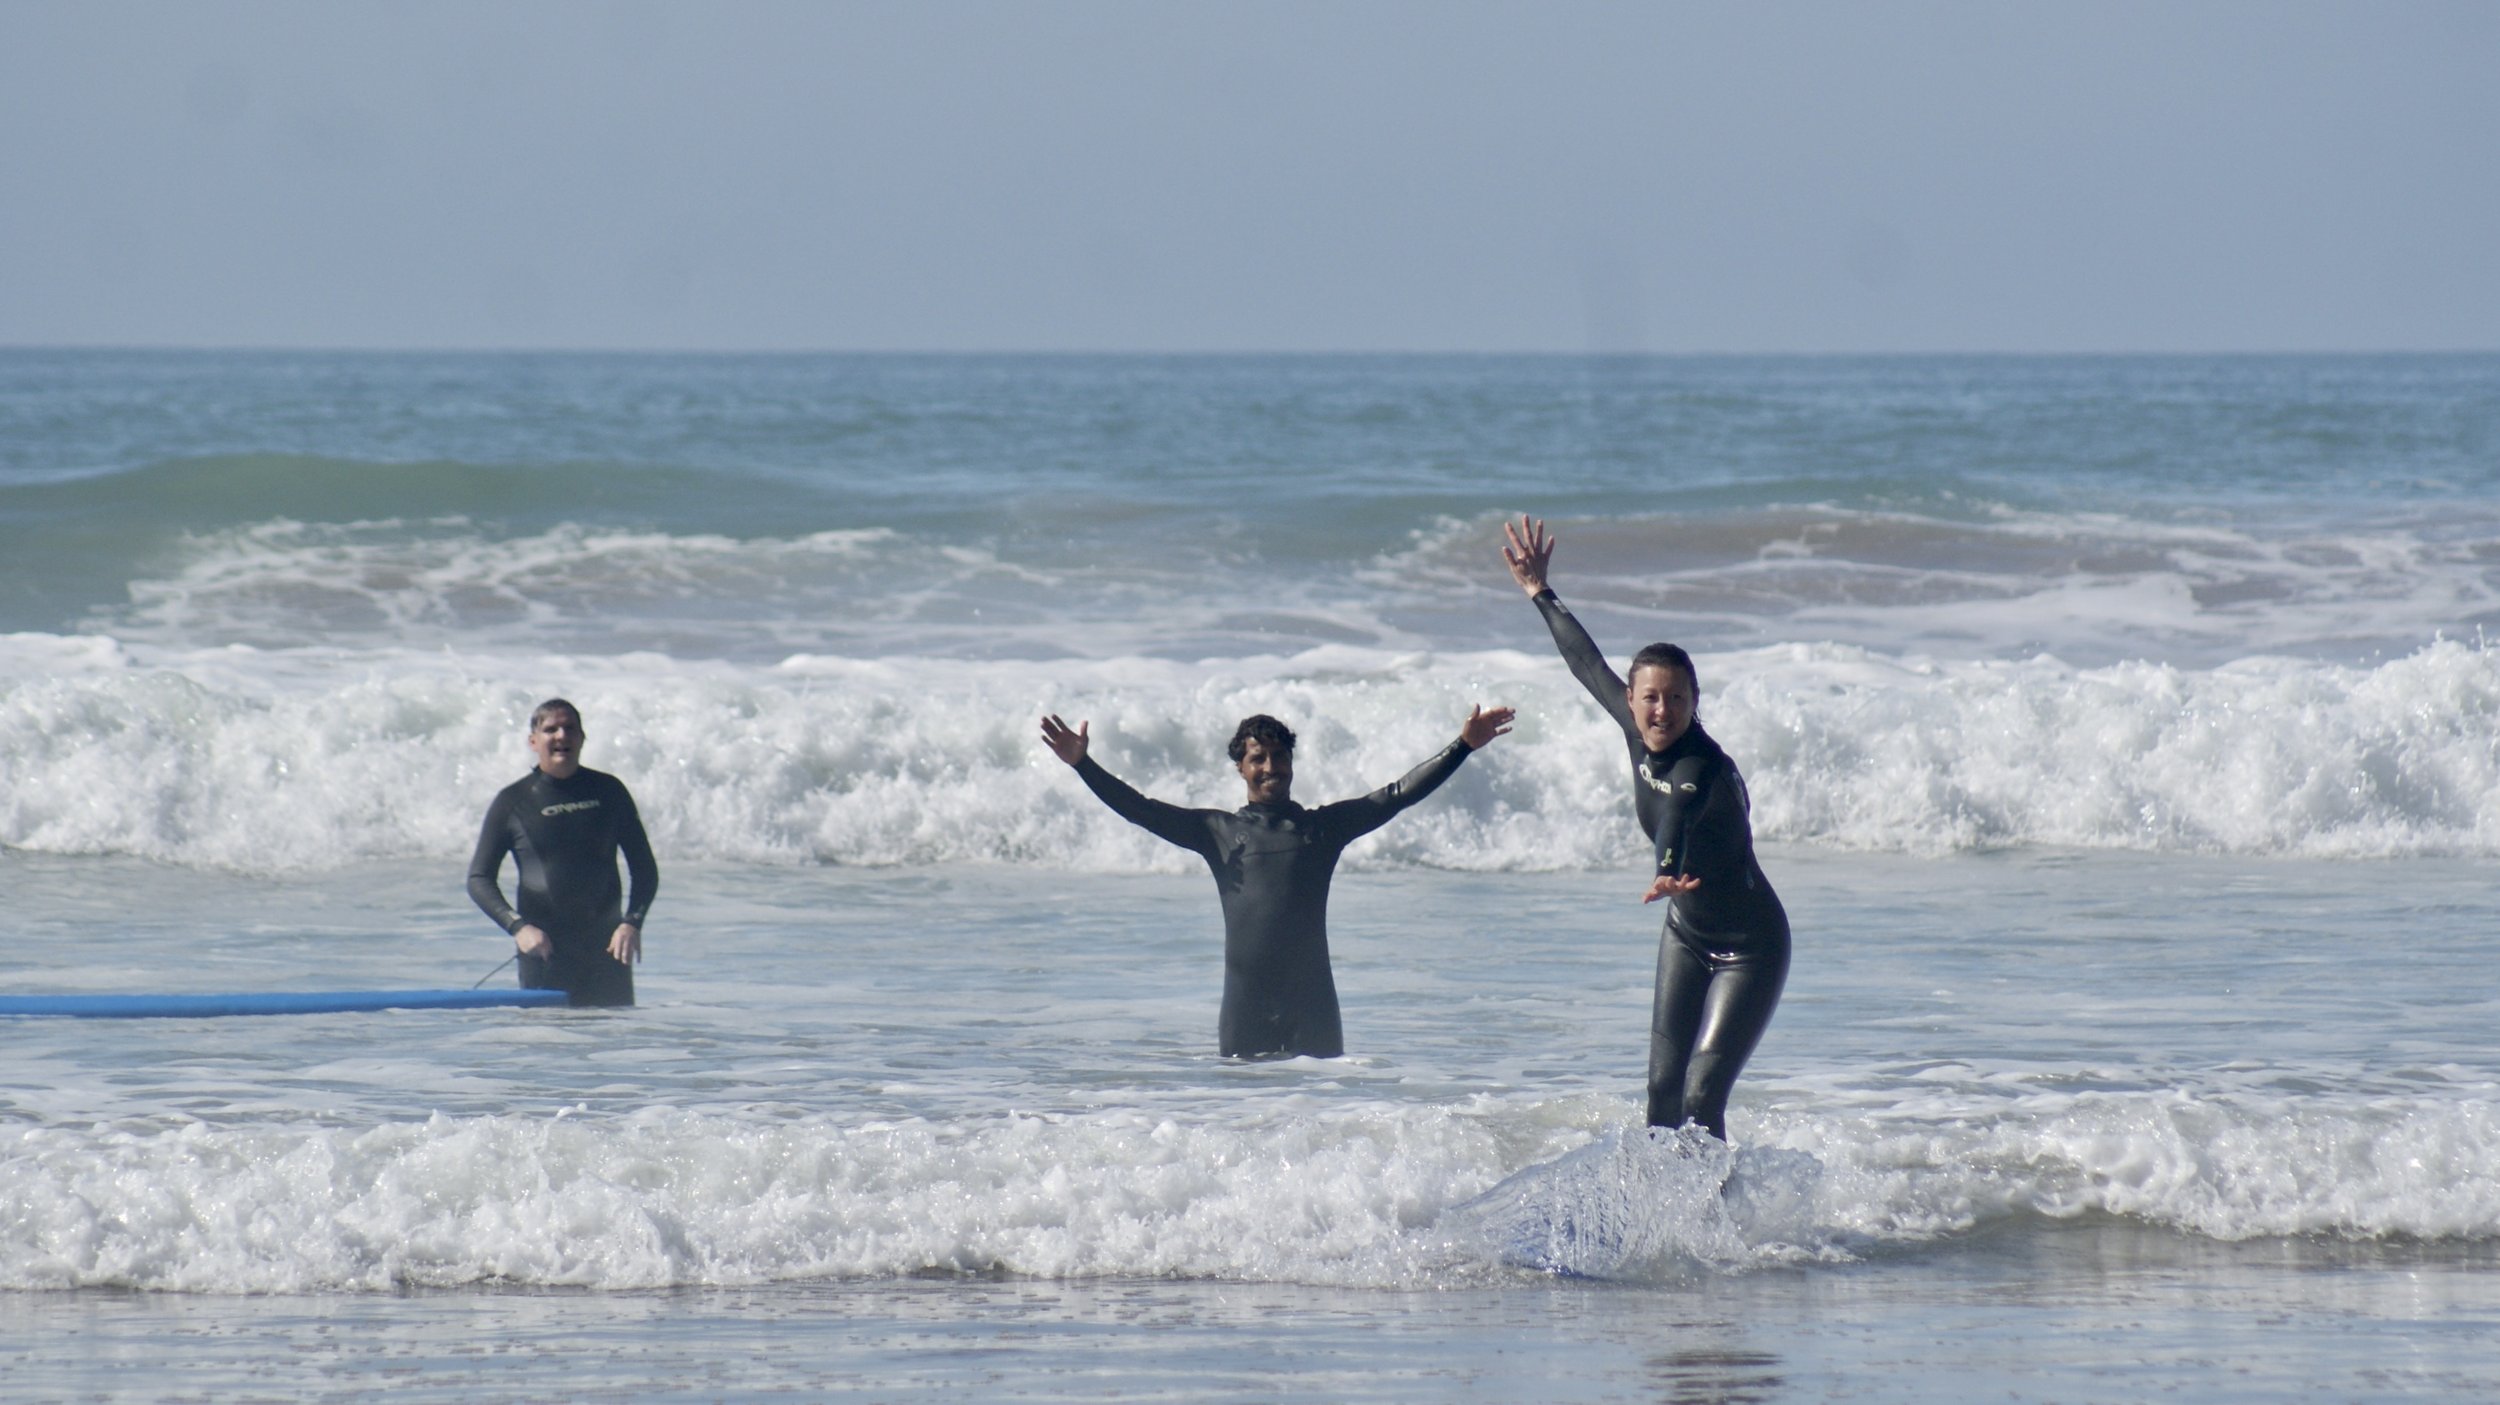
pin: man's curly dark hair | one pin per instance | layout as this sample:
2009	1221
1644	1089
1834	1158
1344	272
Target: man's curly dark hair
1263	729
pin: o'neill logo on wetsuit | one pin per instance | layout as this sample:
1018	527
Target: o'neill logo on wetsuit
569	806
1664	787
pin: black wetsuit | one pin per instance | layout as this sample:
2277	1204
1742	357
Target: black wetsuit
565	835
1272	865
1724	954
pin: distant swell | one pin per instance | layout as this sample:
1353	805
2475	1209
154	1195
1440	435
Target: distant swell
276	762
219	491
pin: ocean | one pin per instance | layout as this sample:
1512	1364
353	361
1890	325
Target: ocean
2123	735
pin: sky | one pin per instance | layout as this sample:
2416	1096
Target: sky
1272	176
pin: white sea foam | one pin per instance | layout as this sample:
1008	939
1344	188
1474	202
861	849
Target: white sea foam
258	761
2259	756
2225	1167
1364	1195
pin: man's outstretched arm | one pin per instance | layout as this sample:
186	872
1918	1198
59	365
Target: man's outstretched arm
1171	823
1363	814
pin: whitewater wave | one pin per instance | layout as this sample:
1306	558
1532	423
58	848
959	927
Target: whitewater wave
1391	1196
244	760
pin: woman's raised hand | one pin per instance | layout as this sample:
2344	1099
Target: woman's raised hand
1528	551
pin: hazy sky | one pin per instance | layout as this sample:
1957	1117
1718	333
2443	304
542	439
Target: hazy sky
1252	176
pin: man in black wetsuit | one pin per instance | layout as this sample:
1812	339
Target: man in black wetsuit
1724	954
565	824
1272	861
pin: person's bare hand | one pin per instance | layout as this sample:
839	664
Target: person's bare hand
1528	550
1667	885
1066	744
531	941
1481	727
626	944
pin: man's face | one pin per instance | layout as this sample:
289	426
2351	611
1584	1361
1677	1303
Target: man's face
556	741
1267	771
1662	705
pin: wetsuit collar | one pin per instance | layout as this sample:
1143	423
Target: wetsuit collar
1694	741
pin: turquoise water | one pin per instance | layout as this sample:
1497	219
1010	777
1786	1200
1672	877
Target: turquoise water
2121	734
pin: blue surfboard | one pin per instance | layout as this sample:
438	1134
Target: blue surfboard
175	1007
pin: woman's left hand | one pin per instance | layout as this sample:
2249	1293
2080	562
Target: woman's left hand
1667	885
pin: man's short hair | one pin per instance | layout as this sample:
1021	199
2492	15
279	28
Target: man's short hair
539	713
1263	729
1666	656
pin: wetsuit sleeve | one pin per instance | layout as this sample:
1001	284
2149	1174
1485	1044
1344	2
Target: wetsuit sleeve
494	840
1174	824
640	866
1587	663
1352	819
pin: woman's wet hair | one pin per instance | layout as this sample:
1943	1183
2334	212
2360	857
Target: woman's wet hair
1666	656
1263	729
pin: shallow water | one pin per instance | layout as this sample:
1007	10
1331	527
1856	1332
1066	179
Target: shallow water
2080	1126
2088	1313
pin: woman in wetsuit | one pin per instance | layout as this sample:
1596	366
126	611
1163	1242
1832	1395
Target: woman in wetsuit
1724	954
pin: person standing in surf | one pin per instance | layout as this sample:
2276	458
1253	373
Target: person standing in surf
1724	953
564	824
1272	860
